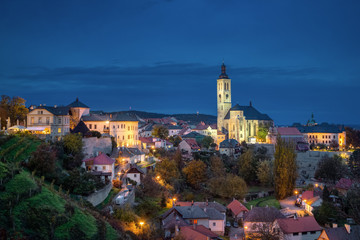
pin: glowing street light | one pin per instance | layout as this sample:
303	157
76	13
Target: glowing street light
141	224
158	177
296	192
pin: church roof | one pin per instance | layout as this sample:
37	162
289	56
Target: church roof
78	104
250	113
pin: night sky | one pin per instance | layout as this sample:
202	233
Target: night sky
290	58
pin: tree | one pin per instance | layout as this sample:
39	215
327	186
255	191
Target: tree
352	137
207	141
175	140
167	170
195	173
73	143
353	199
12	107
43	160
160	132
264	232
326	194
354	163
324	213
330	168
247	166
150	187
228	186
265	172
94	134
262	133
179	159
334	145
285	169
217	167
3	172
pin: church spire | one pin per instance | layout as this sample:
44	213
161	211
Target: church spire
223	71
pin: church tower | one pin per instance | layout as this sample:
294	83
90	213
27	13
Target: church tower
223	97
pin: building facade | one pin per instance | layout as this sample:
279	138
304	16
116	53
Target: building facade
238	122
123	127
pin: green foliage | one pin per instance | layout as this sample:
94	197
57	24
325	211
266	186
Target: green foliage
113	143
228	187
95	134
262	133
167	170
330	168
43	160
247	166
81	182
125	214
354	163
352	137
160	132
73	143
176	140
353	203
81	225
207	141
148	207
285	169
324	213
263	202
21	184
12	107
111	234
265	172
326	194
195	173
4	171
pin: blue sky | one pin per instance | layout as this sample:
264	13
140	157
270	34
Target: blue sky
290	58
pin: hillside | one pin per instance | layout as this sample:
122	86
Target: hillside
192	118
36	209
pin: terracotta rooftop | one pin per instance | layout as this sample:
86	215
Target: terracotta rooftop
102	159
198	232
303	224
263	214
236	207
344	183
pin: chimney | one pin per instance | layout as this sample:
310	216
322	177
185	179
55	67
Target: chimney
334	225
348	228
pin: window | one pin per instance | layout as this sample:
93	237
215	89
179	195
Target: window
129	128
134	175
94	126
40	120
90	126
334	137
59	120
47	120
214	224
295	234
323	136
32	120
123	137
104	167
304	233
95	168
59	130
118	126
313	232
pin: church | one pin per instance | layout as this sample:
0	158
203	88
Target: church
237	122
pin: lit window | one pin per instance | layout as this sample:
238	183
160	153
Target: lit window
59	130
104	167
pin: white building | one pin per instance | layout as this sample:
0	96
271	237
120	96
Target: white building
102	166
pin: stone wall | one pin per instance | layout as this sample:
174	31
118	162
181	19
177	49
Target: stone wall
93	145
99	196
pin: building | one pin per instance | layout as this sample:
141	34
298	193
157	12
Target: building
323	133
174	130
130	155
230	147
238	210
188	146
260	217
304	228
123	127
134	174
197	232
101	165
288	134
51	123
238	122
341	233
78	109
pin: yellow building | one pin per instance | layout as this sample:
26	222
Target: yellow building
50	122
238	122
123	127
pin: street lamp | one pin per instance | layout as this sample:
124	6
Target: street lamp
158	177
141	224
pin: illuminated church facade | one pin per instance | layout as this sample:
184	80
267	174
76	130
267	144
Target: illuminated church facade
237	122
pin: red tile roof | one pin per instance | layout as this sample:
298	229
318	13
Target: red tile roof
344	183
102	159
146	139
283	131
198	232
192	143
236	207
304	224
